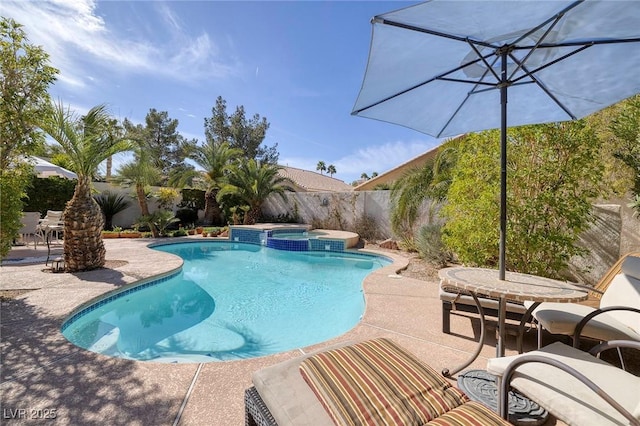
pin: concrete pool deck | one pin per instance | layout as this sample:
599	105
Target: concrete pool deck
43	375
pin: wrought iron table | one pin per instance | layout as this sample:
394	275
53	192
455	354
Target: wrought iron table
482	282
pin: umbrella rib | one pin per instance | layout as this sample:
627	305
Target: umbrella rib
540	68
581	43
543	87
555	17
415	86
483	58
459	80
538	43
381	20
471	92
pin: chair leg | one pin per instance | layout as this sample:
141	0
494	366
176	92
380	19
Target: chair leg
539	335
622	365
446	317
523	322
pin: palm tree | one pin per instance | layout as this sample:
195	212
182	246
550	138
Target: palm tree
87	140
331	170
321	167
140	172
251	183
407	195
430	181
215	159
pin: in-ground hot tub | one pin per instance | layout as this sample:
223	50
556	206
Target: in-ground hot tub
292	241
294	237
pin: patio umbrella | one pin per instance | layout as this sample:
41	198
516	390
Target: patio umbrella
441	67
45	169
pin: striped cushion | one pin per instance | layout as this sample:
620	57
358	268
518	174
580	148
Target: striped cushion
471	413
378	383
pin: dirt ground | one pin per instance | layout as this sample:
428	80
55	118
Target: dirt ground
418	268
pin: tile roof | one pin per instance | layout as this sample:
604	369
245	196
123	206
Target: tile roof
310	181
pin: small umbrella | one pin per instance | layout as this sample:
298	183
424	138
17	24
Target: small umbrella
45	169
442	66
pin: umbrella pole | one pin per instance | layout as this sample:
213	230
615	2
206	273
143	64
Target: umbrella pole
503	165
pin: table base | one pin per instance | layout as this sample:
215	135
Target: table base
480	386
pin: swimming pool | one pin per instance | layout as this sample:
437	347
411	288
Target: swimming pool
229	301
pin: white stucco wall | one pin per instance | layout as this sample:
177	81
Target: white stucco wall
338	210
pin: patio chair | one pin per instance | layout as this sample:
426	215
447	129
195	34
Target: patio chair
52	223
368	383
575	386
29	227
616	317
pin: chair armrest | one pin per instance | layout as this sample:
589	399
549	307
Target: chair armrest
523	359
583	322
613	344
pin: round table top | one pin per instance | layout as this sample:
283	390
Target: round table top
515	286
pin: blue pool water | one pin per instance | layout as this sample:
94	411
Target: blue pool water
229	301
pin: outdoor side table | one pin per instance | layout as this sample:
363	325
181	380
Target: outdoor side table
515	287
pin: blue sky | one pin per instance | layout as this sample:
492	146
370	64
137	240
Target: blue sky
298	63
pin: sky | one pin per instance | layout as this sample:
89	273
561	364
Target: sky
300	64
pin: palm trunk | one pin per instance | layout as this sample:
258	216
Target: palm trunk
83	222
109	167
252	216
212	211
144	208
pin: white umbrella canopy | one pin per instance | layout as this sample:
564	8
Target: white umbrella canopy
45	169
447	67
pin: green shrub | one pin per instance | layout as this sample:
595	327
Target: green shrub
161	219
12	185
554	175
111	204
368	228
50	193
179	233
192	199
187	216
430	247
281	218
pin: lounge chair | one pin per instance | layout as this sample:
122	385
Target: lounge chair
616	317
574	386
368	383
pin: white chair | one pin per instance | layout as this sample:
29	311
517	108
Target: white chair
51	224
29	228
575	386
616	318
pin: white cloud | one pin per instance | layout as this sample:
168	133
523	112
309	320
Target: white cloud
380	158
76	38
